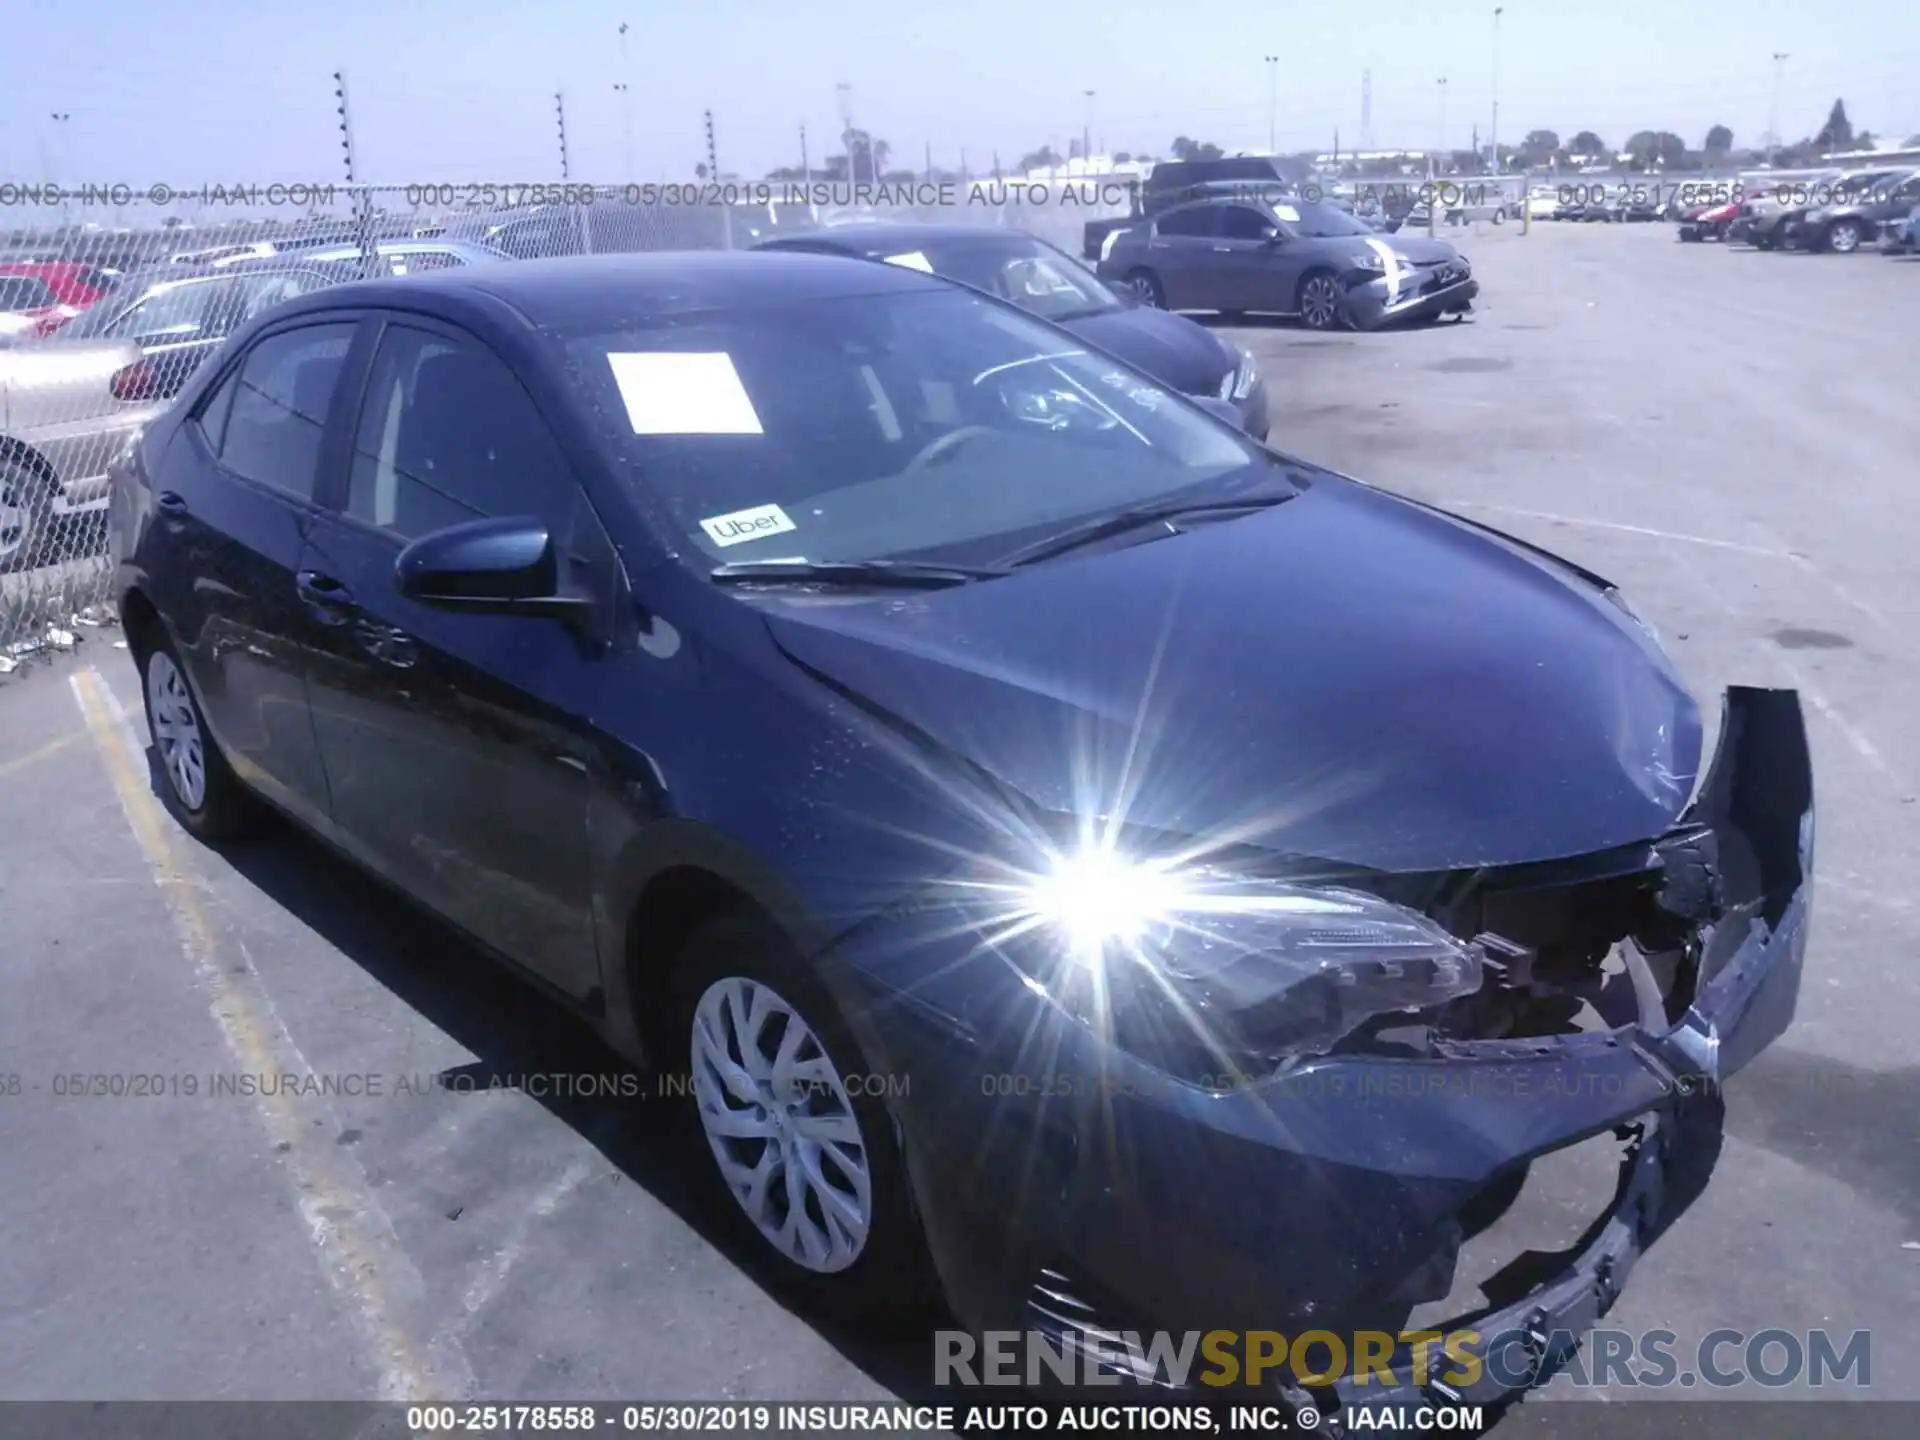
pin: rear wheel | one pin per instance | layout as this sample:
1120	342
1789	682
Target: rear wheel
1319	303
1145	286
26	496
794	1128
1844	237
1500	217
197	784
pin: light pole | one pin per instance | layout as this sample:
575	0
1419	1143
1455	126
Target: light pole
1086	134
624	87
1443	119
60	119
1498	11
1273	93
1773	110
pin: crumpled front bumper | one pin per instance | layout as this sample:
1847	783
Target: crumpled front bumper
1078	1193
1374	303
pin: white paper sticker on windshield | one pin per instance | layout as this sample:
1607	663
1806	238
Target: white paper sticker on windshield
912	260
1287	213
683	393
743	525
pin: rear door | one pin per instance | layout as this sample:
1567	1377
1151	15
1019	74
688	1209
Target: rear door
234	494
456	747
1180	252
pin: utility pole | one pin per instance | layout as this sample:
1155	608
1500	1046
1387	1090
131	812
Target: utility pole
1086	134
1498	11
362	199
929	162
713	155
1443	119
806	169
843	96
1773	110
1273	100
1366	110
560	116
625	87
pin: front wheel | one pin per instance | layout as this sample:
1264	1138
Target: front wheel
25	501
1499	217
1844	237
1320	307
198	785
792	1119
1145	286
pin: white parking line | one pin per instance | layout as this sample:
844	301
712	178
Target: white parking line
359	1252
1592	524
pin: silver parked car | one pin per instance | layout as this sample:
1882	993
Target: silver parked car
66	409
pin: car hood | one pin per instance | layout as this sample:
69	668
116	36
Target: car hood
1171	348
1347	676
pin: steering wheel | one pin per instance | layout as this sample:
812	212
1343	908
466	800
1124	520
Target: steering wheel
942	446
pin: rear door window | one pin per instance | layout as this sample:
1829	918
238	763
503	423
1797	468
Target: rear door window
278	413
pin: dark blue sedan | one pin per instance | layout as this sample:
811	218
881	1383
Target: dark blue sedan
1044	281
1071	859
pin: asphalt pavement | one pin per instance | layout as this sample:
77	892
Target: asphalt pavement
1731	436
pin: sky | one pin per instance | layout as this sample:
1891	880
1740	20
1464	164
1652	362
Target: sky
196	91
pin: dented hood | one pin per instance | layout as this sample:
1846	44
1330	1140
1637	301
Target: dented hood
1345	676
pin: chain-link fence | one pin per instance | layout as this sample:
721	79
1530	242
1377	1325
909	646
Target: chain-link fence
119	294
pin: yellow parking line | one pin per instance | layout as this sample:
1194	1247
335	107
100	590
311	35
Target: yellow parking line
34	757
357	1248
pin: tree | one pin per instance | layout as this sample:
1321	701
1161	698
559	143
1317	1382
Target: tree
1651	148
1539	147
1121	157
1186	149
1719	140
786	172
1837	133
1045	158
1587	143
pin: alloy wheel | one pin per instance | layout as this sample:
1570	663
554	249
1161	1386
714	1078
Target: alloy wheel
176	730
16	515
1319	302
1844	238
781	1126
1144	289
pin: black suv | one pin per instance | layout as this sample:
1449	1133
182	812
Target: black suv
1174	182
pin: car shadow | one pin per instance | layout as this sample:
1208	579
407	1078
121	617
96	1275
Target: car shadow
1294	323
516	1030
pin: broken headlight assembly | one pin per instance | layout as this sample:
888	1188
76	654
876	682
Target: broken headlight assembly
1220	979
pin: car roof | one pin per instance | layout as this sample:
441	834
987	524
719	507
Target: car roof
892	239
572	292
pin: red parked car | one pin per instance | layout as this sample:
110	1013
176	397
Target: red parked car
1708	222
49	293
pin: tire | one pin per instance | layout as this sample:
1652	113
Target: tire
1763	242
196	783
26	497
1146	289
1318	302
728	970
1843	237
1500	217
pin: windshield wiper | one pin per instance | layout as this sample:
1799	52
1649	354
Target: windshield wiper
1118	522
910	574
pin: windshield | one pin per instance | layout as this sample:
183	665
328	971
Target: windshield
1320	221
888	426
1030	273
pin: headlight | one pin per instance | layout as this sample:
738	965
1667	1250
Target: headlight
1238	383
1369	261
1218	978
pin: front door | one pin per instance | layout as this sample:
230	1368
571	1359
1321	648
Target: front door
447	773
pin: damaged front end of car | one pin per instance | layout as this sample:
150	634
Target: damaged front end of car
1302	1111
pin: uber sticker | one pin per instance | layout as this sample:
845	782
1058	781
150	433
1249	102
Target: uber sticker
742	525
671	392
912	260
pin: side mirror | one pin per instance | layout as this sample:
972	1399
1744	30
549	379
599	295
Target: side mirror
1275	236
488	567
1220	410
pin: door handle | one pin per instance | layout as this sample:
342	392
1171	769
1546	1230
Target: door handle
324	593
170	502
